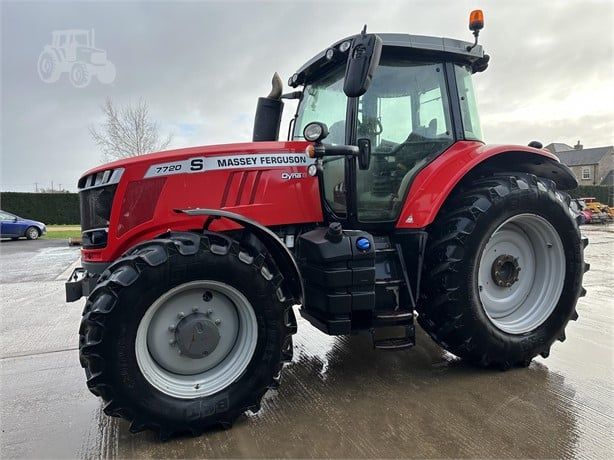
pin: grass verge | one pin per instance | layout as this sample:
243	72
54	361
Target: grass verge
55	232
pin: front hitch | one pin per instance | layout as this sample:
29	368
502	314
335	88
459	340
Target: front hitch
80	283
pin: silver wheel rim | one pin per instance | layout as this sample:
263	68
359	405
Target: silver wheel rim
159	348
33	233
521	273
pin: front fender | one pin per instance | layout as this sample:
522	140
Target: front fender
278	250
434	183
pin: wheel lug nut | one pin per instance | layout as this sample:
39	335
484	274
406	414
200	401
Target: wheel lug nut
209	312
195	309
172	342
218	321
171	327
181	315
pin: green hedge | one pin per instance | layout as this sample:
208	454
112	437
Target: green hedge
49	208
604	194
63	208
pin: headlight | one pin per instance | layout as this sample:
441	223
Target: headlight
315	131
345	46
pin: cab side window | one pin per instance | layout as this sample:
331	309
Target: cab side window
468	103
432	118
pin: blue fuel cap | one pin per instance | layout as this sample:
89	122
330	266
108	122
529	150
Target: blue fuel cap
363	244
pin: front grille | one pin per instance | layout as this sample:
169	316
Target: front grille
96	206
96	193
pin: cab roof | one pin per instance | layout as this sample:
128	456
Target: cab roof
448	49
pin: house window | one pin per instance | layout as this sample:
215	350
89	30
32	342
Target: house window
586	172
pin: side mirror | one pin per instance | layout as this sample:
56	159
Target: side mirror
362	61
364	153
15	219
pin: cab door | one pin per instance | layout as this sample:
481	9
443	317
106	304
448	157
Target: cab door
405	114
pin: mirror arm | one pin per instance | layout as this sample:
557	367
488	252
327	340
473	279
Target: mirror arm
328	150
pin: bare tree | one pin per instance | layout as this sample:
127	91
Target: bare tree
127	132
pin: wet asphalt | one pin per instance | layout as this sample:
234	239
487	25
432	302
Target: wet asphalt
338	398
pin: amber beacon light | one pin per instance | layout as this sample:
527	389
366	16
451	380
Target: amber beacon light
476	23
476	20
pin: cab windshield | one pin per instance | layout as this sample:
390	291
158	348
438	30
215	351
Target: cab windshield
406	116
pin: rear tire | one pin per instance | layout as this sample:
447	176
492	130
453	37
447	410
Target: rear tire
48	67
513	318
156	396
32	233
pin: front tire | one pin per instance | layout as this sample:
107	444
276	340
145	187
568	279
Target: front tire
106	74
503	271
80	75
32	233
152	372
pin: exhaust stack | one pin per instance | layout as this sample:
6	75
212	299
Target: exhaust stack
268	113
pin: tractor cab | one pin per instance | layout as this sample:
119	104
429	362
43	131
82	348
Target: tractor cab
420	101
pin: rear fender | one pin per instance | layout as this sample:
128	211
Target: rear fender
470	159
278	250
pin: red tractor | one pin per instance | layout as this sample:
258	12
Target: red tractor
383	206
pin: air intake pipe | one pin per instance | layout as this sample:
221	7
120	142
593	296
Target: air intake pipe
268	113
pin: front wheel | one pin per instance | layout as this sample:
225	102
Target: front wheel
80	75
186	333
106	74
32	233
503	271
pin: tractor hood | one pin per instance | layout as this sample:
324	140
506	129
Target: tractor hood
136	198
144	162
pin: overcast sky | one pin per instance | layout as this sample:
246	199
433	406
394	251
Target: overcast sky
202	65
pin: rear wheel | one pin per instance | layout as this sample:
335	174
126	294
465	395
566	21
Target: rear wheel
186	333
32	233
48	67
503	271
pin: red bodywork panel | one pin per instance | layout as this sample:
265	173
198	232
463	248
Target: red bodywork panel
433	184
267	193
271	194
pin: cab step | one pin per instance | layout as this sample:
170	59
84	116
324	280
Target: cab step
406	338
393	318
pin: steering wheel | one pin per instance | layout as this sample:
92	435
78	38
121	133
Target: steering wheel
370	126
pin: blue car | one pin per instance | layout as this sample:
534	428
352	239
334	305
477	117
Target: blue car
12	226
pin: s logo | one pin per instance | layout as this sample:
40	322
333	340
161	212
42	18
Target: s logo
197	164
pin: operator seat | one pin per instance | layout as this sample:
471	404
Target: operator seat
336	133
428	132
